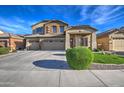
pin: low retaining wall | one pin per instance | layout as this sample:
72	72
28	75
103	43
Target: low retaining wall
96	66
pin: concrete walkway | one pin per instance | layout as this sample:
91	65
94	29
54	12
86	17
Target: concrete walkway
49	69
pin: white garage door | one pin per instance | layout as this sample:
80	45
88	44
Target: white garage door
56	44
34	45
118	44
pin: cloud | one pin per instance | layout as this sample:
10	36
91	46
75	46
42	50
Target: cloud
84	12
101	14
104	14
8	29
19	20
14	25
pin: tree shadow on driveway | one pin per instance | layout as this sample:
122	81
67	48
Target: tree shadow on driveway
51	64
59	54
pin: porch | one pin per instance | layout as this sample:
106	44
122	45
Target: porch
80	38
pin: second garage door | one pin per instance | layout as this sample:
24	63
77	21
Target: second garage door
118	44
53	44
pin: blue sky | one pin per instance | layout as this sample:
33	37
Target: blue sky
18	19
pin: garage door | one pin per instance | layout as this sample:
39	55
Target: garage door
57	44
34	45
118	44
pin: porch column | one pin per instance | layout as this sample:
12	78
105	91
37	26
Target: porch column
40	43
27	44
93	41
67	40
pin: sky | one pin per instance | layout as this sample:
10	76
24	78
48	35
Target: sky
18	19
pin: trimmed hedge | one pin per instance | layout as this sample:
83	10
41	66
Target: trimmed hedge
4	50
79	58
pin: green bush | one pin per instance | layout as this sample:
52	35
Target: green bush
4	50
79	58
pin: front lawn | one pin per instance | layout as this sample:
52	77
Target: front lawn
4	50
108	58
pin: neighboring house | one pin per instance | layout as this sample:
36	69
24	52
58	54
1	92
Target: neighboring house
11	40
57	35
111	40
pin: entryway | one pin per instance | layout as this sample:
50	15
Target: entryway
79	40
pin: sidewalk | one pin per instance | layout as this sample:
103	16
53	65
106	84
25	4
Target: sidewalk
62	78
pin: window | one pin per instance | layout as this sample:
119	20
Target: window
54	29
61	28
3	43
84	41
38	30
34	31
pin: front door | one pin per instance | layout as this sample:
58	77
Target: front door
78	41
84	41
72	42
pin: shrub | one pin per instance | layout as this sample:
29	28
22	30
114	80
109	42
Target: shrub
79	58
4	50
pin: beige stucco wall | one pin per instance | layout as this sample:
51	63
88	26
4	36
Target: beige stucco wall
49	26
37	25
93	41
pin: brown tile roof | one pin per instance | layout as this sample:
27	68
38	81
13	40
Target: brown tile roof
120	30
7	35
48	21
81	27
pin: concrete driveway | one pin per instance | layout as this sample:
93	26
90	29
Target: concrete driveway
49	68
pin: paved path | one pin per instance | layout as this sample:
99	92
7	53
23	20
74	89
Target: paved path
49	68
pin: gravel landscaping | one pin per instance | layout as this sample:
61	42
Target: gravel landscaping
98	66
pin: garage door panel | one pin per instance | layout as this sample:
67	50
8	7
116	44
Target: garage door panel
34	46
118	44
53	45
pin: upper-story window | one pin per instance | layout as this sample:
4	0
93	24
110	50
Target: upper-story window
54	29
38	30
61	28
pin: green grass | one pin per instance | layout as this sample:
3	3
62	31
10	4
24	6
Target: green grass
4	50
108	58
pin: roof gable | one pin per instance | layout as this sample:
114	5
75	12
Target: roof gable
108	32
82	27
50	21
58	21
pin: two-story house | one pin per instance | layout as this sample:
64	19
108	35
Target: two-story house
58	35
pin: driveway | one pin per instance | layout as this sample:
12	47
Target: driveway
49	68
